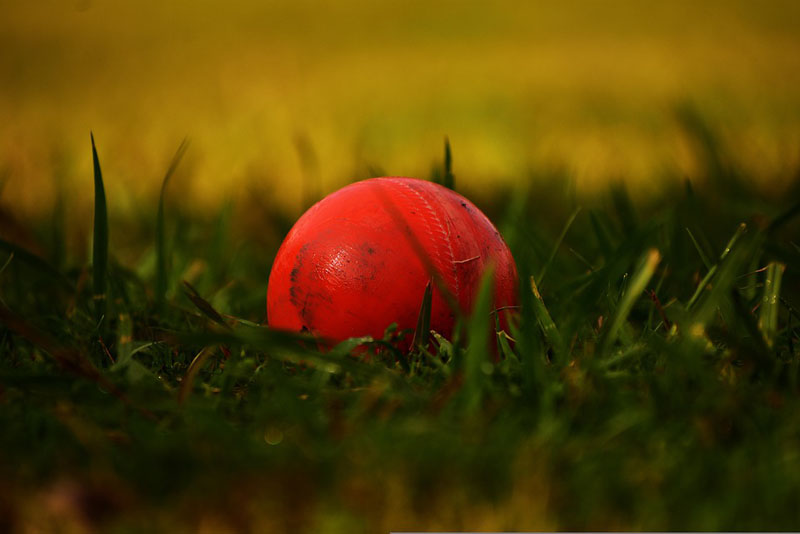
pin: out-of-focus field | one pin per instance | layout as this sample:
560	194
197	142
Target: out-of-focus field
296	98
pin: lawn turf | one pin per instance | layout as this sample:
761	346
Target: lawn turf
651	380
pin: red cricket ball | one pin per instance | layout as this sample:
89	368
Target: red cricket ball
359	260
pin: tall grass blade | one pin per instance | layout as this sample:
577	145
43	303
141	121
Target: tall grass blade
708	148
623	206
448	179
703	257
203	305
477	355
309	163
732	261
602	234
162	274
638	283
770	302
99	243
712	271
423	329
557	245
549	329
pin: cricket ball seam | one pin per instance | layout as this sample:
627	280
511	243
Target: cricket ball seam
441	238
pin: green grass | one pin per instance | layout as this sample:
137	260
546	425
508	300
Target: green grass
644	385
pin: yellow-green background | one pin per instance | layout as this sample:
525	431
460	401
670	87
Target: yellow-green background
586	86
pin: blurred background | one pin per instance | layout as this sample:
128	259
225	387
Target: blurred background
292	99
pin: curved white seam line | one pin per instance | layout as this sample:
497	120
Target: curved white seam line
443	236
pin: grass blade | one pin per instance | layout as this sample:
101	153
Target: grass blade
770	302
448	180
309	163
100	241
639	280
703	257
758	351
284	346
422	331
203	305
623	206
161	253
70	360
722	286
710	274
549	329
707	146
557	245
602	234
478	349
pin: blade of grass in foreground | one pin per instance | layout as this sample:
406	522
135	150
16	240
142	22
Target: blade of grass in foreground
729	269
99	243
203	305
422	332
707	278
478	349
768	319
645	271
549	329
161	253
285	346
